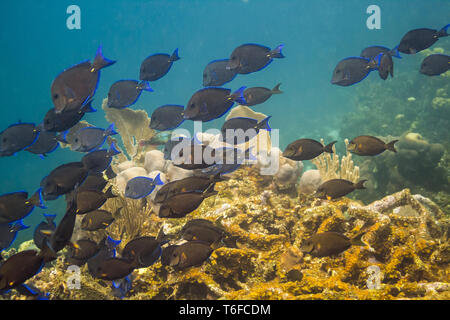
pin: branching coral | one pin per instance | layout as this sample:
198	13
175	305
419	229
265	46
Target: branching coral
133	220
330	167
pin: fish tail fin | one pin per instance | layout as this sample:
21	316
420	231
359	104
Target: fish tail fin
36	199
144	85
20	226
264	124
109	194
113	151
356	240
276	53
174	56
444	31
110	131
329	147
61	137
238	95
87	106
100	61
360	184
218	178
50	218
276	89
157	181
390	146
395	53
210	191
47	253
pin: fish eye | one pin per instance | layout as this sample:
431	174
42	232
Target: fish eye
55	96
338	71
76	139
4	140
233	58
192	106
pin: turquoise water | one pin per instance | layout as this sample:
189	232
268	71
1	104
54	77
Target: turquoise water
37	46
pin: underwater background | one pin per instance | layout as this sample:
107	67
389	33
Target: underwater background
316	35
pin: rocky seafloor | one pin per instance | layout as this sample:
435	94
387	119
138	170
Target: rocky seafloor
407	254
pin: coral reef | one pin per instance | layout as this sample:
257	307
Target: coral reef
416	104
407	254
416	164
330	167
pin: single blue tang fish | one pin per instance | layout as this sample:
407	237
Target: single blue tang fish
91	138
124	93
8	233
217	74
352	70
140	187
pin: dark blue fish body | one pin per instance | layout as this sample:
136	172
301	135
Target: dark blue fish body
99	160
17	137
8	233
167	117
124	93
216	73
351	70
373	51
91	138
107	251
59	122
44	229
63	179
46	143
22	266
251	57
140	187
211	103
75	86
64	230
420	39
241	129
157	66
15	206
435	64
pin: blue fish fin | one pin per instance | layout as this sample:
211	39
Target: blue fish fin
157	181
264	124
444	31
395	53
50	218
100	61
20	226
238	95
144	85
61	137
110	131
87	106
112	242
113	150
174	56
276	53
